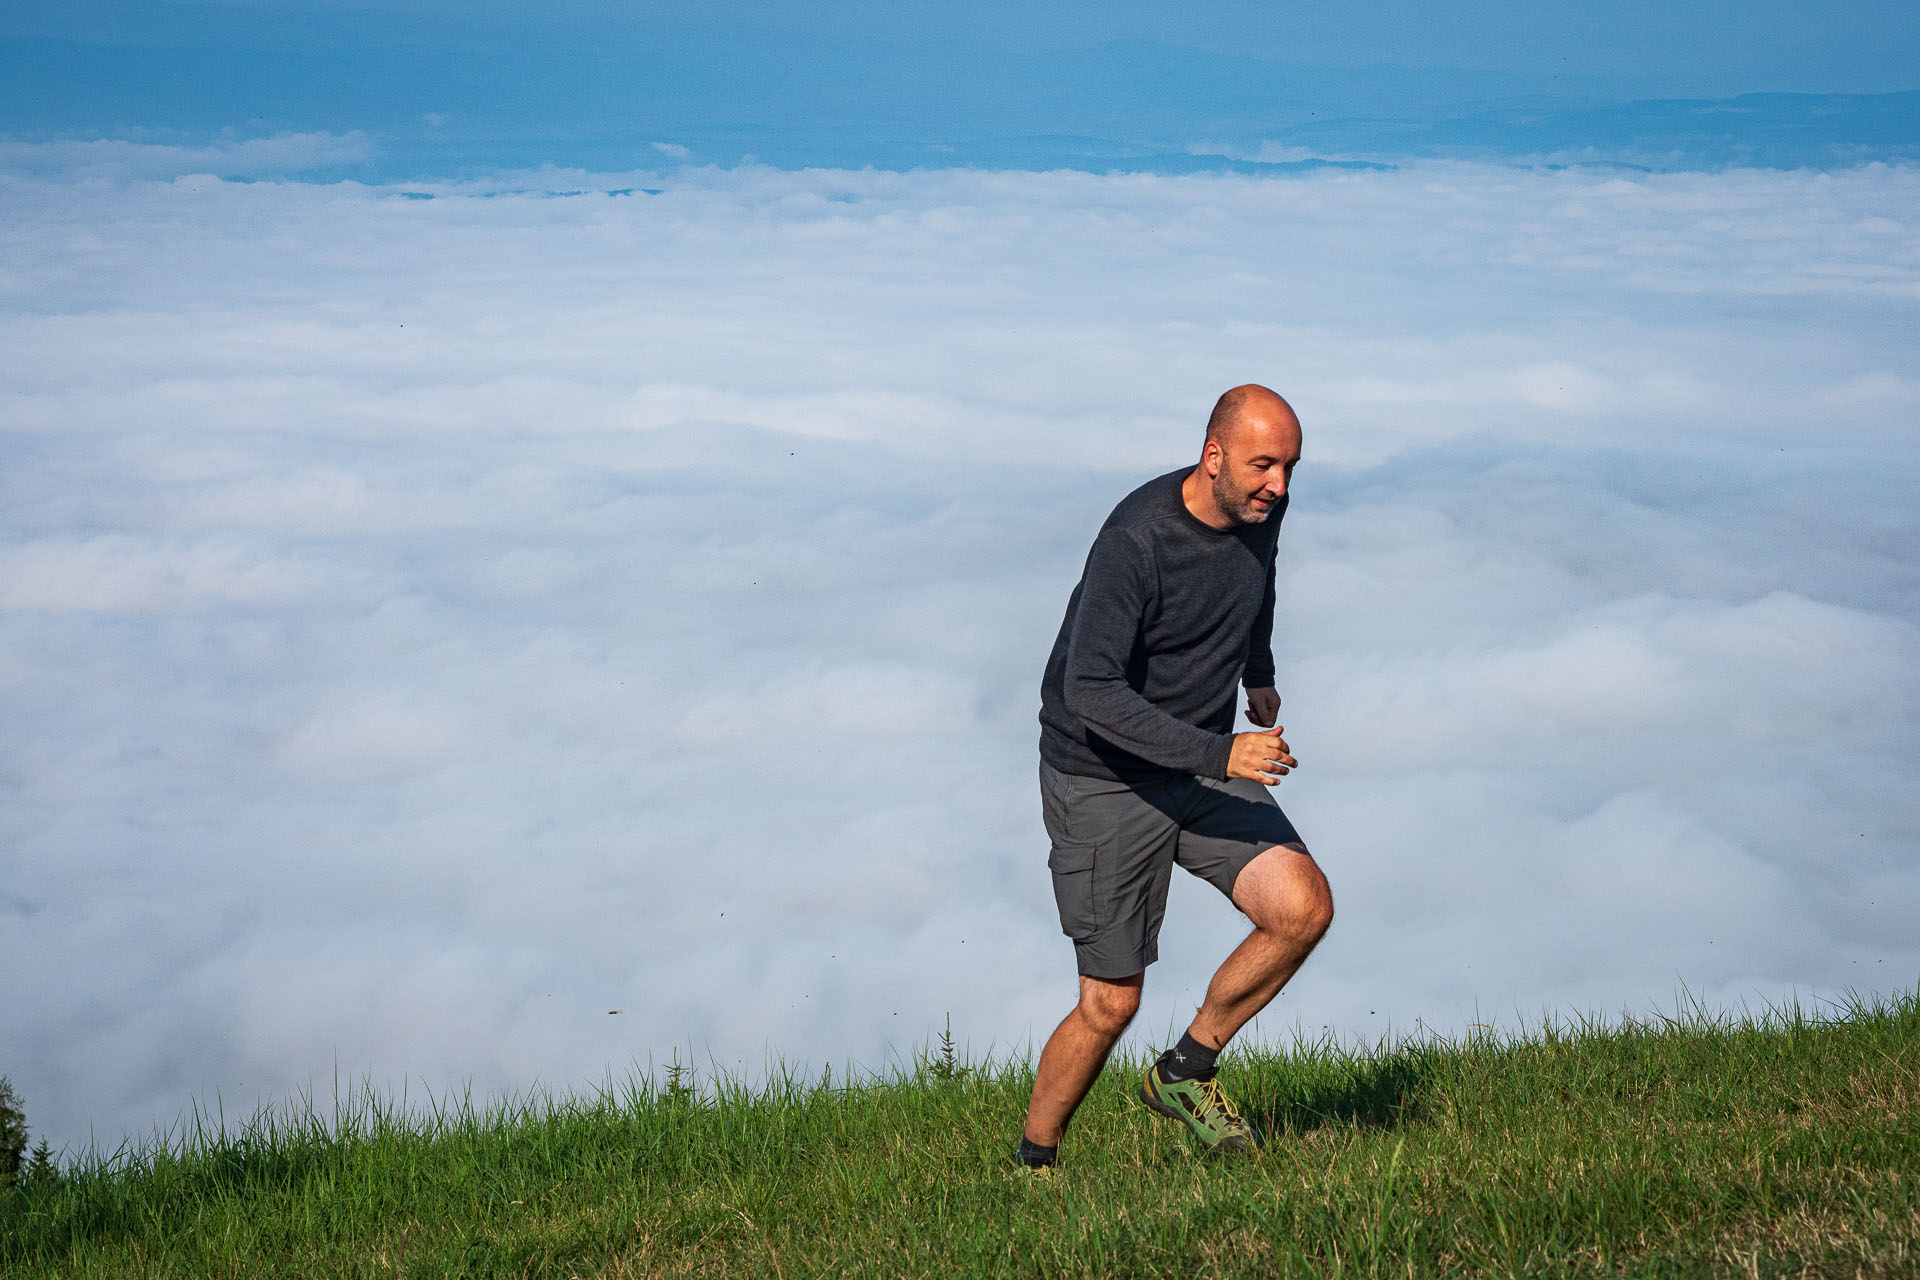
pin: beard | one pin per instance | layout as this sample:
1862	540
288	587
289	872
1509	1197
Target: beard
1240	507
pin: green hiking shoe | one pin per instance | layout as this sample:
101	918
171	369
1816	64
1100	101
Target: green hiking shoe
1202	1106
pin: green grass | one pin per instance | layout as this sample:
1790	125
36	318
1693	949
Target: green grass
1782	1145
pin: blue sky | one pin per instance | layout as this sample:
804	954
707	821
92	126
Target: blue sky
445	88
1645	49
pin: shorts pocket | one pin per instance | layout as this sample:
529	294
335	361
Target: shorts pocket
1072	867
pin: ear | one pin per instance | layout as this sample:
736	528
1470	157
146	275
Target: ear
1213	458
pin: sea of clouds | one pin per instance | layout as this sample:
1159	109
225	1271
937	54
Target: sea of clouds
432	618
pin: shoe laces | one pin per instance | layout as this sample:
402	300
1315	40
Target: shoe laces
1217	1100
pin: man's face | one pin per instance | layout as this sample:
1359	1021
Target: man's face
1253	469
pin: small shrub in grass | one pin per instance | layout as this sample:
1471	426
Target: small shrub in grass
13	1134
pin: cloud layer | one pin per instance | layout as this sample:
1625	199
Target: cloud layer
427	624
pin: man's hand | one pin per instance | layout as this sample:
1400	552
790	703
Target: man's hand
1261	756
1263	706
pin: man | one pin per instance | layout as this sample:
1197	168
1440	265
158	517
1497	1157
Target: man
1140	768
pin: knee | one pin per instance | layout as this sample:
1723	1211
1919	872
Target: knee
1320	917
1316	907
1300	903
1108	1007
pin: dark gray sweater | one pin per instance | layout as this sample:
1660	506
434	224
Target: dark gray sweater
1169	618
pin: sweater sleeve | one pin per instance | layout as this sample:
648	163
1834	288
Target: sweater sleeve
1115	594
1259	672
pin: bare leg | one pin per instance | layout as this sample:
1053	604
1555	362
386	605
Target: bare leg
1076	1051
1285	895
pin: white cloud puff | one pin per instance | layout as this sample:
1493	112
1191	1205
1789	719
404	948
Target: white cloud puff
428	624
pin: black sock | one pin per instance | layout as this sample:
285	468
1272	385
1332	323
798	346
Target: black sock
1188	1060
1035	1156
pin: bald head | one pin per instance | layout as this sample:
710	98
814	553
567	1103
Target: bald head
1248	404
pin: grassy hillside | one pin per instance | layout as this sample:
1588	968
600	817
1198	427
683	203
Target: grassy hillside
1783	1146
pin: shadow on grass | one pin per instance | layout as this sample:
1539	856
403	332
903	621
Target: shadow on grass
1290	1098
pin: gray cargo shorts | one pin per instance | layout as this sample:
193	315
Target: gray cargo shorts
1115	844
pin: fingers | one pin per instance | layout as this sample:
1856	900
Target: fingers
1279	760
1264	757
